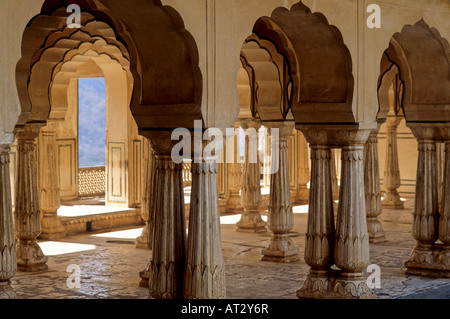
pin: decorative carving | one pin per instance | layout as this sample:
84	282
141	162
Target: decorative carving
319	246
26	210
8	261
251	220
281	217
352	240
204	275
372	189
167	264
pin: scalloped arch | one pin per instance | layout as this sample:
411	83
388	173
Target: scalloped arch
423	59
320	63
163	55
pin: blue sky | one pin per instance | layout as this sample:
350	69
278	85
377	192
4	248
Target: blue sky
91	122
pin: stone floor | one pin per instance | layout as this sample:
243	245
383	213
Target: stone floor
110	263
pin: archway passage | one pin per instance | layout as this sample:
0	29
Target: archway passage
421	57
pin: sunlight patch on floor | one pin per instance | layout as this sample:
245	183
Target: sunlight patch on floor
54	248
122	234
85	210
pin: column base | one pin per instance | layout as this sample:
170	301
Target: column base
281	249
429	261
392	201
251	222
30	257
334	284
141	241
145	276
52	228
302	196
234	204
6	291
375	230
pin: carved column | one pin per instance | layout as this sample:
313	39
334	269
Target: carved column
319	245
204	276
50	197
144	240
234	176
426	210
349	249
303	170
169	235
26	210
148	211
334	177
251	220
8	261
444	218
392	179
372	188
281	217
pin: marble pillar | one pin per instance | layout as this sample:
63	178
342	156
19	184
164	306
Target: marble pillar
27	212
425	258
234	166
346	245
50	199
392	179
8	261
281	217
145	241
372	189
169	234
444	216
251	199
302	196
204	274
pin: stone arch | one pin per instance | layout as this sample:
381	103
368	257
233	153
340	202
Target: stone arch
422	57
320	63
173	80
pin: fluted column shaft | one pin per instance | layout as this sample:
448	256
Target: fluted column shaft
444	218
234	176
26	210
303	170
426	218
50	192
352	240
319	245
281	217
8	260
373	189
392	180
167	264
204	276
251	199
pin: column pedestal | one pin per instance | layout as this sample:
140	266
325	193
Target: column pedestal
27	211
251	220
281	217
8	261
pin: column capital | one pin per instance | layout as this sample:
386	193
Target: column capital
285	128
29	131
335	135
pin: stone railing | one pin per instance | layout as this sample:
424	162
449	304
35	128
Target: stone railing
187	175
91	181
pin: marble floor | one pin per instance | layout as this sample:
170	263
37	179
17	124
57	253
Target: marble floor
109	264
